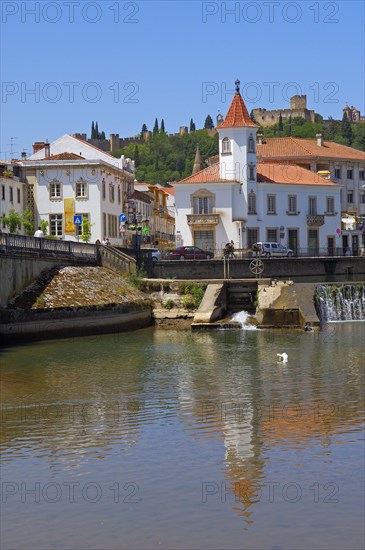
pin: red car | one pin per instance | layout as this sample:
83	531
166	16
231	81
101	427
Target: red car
189	253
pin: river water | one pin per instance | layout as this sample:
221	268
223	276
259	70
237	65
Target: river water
178	440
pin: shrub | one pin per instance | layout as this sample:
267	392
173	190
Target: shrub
169	304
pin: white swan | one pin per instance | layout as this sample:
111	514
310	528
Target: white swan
283	357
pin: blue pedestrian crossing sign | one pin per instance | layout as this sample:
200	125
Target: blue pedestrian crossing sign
122	218
78	220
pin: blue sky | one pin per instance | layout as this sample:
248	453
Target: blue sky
123	63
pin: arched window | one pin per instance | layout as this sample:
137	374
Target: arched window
251	171
226	145
251	144
252	203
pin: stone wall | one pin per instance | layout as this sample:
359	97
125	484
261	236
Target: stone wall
321	269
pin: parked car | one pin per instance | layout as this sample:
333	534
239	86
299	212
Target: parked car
155	253
272	249
189	253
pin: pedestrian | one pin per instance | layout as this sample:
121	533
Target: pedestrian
39	233
348	251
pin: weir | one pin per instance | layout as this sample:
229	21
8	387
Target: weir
340	303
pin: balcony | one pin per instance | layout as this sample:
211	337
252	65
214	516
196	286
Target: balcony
315	220
203	219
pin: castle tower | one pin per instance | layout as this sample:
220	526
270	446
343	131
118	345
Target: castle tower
237	142
198	165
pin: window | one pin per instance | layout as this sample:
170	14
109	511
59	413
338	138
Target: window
202	202
362	175
202	205
272	235
18	196
292	204
103	190
252	204
3	192
226	145
55	222
252	236
11	197
112	225
251	145
251	172
362	198
271	204
55	190
119	195
349	174
81	189
79	227
350	197
337	173
312	205
330	205
111	193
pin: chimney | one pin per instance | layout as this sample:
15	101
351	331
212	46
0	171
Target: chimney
47	150
319	137
260	137
37	146
24	155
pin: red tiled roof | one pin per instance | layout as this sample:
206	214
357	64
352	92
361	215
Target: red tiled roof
207	175
266	172
290	147
237	114
64	156
289	174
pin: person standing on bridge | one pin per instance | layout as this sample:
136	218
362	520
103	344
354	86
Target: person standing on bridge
39	233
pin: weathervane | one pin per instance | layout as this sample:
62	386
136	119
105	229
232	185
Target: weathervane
237	83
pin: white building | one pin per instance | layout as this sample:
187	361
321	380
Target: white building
238	199
70	177
12	195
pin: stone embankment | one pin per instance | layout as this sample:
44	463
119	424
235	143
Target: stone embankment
69	301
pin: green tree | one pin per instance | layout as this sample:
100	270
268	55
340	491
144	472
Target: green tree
144	129
346	130
28	222
96	131
280	123
44	226
208	124
102	135
252	117
192	125
13	220
86	230
92	130
358	136
162	129
136	156
155	130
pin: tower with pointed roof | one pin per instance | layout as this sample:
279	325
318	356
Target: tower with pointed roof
237	142
198	165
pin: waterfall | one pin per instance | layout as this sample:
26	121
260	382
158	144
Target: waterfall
340	303
243	318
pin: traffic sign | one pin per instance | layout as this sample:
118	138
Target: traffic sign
338	231
122	218
78	219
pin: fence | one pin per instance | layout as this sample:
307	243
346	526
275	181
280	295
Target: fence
46	247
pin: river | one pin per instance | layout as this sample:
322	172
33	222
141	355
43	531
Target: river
167	439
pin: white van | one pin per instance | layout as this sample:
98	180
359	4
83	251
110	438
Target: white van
273	249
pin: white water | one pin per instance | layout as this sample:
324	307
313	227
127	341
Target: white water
242	318
345	303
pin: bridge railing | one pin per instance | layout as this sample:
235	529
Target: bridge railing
46	247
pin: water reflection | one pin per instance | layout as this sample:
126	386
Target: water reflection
73	407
